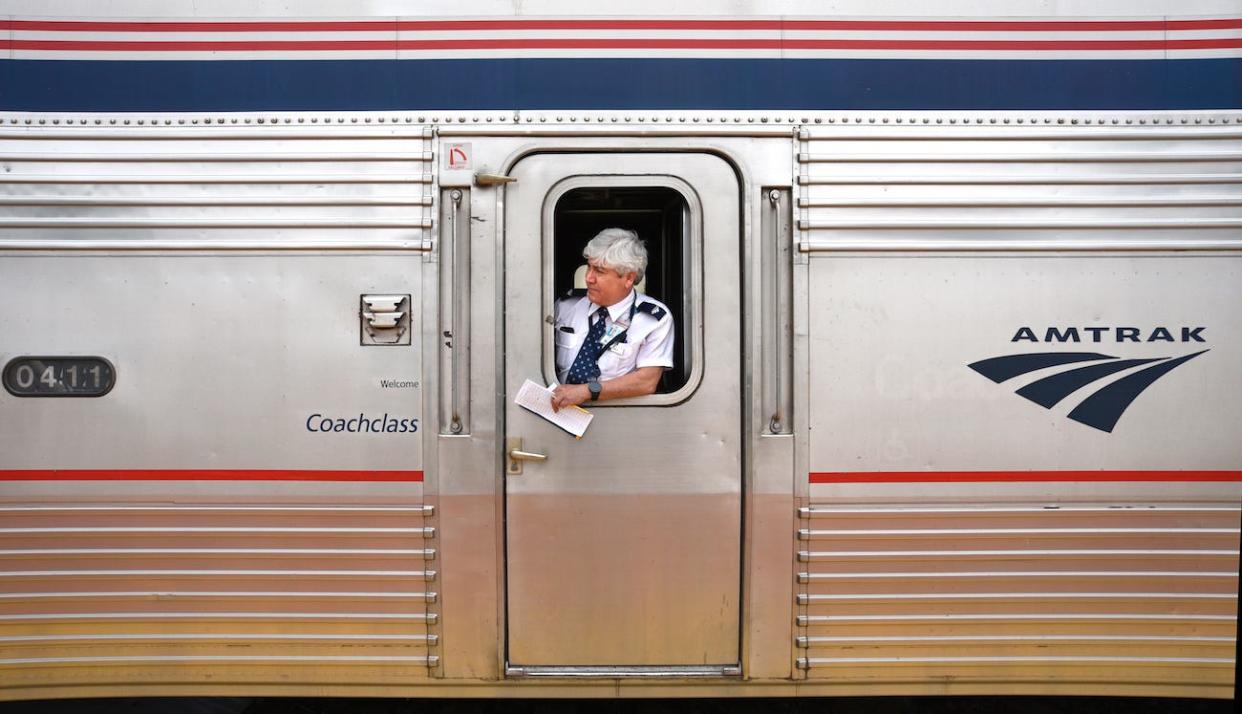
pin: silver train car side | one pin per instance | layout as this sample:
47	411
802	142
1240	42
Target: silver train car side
953	411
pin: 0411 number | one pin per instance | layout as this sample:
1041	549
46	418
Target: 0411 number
59	377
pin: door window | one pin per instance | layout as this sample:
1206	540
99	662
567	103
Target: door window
666	217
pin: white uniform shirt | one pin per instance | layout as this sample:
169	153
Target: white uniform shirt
648	341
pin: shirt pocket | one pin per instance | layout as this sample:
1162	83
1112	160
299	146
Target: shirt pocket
567	346
618	360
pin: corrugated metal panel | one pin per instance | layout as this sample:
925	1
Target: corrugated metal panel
1014	593
95	593
995	593
216	187
216	585
1009	187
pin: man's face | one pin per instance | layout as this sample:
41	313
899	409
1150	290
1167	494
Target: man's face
604	286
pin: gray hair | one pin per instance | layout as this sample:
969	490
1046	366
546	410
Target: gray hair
619	250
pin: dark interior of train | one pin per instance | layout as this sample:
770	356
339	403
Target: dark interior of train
660	217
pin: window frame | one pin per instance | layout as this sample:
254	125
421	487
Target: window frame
692	261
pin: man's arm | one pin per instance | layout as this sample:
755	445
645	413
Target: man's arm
638	383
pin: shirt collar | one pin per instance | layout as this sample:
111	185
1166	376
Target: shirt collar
618	310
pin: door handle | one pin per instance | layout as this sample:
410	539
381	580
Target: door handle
526	455
517	455
482	179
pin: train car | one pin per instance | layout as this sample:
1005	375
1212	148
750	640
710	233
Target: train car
958	345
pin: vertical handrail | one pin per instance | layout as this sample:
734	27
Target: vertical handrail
775	420
454	305
775	255
455	426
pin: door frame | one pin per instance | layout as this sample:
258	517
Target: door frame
696	248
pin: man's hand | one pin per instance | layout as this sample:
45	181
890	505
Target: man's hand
568	395
641	381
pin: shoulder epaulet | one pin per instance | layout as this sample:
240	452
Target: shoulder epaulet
651	309
576	292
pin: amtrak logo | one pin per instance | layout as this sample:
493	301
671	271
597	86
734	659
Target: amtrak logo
1102	407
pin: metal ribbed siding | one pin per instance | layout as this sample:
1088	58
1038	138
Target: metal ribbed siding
213	589
1019	593
103	593
995	187
282	187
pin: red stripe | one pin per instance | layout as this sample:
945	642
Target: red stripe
755	24
572	44
1015	26
207	46
80	26
1018	476
204	475
846	25
491	25
1232	24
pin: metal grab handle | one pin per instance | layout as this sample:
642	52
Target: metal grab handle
777	372
454	332
519	455
455	425
776	418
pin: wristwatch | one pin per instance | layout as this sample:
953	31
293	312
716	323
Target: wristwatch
595	388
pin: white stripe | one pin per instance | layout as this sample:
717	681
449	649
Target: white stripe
980	36
361	637
1022	638
1040	553
625	54
1007	531
992	618
389	34
590	34
1204	54
640	53
211	529
212	593
978	54
173	56
1028	574
69	616
212	551
104	36
219	658
214	573
1230	34
619	34
988	660
191	508
1024	596
975	510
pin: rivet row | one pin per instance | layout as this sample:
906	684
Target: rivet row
628	119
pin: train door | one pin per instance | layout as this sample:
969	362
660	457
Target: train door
624	547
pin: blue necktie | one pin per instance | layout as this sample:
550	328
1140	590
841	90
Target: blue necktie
584	368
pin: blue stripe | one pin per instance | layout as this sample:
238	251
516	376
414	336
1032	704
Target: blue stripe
74	85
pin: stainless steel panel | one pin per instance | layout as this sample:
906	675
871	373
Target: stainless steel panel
1083	586
624	549
150	576
83	584
899	332
1012	188
926	249
284	188
208	349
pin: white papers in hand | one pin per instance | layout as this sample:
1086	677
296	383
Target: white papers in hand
537	398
